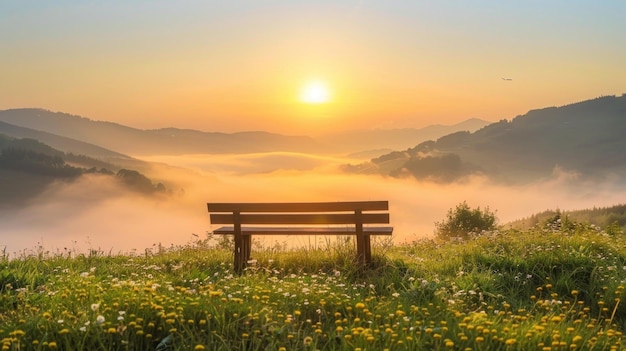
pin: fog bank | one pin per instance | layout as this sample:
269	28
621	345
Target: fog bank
95	213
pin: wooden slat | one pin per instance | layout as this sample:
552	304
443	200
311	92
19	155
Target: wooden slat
302	218
299	206
305	230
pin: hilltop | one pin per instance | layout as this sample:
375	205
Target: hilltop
584	139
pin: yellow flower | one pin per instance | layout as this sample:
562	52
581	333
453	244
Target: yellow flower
510	341
52	345
308	341
199	347
359	305
17	333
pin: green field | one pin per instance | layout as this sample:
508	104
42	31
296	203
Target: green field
509	290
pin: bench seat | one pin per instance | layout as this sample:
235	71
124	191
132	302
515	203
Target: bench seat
304	230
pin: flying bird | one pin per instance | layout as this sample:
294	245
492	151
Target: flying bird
507	78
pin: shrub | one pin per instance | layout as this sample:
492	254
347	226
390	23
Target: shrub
463	222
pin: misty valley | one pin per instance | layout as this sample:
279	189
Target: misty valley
71	183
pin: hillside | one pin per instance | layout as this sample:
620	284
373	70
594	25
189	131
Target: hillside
512	290
586	138
61	143
28	167
603	217
167	141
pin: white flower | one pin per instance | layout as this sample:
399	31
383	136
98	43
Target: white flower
100	319
95	306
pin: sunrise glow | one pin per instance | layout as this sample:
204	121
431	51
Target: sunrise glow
315	92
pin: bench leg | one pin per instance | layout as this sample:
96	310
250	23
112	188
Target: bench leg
363	250
243	246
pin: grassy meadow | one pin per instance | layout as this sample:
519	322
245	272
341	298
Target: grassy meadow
540	289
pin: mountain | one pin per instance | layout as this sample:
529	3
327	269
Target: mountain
28	167
586	138
64	144
167	141
51	127
395	139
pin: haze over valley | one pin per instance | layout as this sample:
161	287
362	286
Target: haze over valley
120	189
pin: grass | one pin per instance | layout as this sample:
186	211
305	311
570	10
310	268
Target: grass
509	290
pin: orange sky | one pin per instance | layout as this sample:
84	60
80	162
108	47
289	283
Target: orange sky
240	65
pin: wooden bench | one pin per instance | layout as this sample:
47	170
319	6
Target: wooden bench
300	218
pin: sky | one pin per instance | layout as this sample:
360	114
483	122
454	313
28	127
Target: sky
241	65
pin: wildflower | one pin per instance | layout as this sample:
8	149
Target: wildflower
199	347
307	341
511	341
17	333
64	331
100	319
95	306
52	344
359	305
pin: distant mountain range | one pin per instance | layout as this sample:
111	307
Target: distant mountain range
77	134
587	138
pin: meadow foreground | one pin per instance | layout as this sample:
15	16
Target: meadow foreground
511	290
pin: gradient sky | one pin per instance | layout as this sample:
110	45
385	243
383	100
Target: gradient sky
240	65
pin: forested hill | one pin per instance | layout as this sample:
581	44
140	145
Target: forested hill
28	167
586	138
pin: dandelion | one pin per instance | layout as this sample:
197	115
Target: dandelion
307	341
100	319
95	306
199	347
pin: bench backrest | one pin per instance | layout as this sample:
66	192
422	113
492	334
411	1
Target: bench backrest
317	213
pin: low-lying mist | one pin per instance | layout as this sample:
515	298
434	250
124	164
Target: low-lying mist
95	213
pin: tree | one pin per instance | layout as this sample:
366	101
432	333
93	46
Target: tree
463	222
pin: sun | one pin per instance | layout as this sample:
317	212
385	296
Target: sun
315	92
